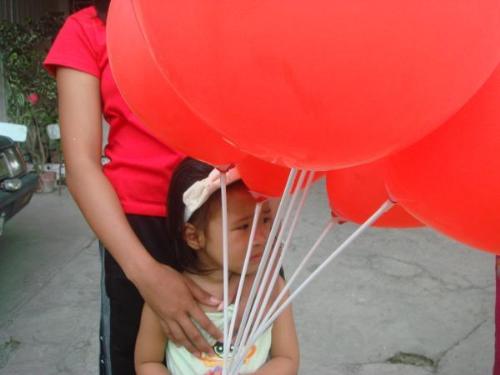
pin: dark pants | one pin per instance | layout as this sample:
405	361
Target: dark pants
121	302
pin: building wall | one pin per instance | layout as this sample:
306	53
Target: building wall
18	10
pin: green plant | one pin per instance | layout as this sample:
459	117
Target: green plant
31	92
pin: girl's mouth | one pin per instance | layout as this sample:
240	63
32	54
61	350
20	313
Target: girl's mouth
256	257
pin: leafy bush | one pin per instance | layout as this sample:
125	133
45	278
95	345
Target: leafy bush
31	92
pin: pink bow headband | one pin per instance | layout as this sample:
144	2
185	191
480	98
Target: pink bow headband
200	191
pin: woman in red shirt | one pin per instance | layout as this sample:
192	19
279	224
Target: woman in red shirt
124	201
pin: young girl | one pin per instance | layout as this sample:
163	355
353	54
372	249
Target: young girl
195	223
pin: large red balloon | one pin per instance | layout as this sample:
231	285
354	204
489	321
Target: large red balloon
323	84
450	180
267	179
151	98
356	193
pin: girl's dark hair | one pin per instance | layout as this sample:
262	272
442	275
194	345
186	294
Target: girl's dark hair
186	174
102	7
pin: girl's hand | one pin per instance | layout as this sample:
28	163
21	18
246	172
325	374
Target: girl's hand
174	298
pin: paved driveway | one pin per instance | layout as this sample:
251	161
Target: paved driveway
397	302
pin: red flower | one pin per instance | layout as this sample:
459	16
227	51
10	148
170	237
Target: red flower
33	98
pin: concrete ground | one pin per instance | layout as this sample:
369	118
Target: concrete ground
396	302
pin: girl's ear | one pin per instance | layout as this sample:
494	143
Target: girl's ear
193	237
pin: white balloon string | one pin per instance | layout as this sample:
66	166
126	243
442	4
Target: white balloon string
384	208
255	223
283	251
225	258
329	226
263	284
265	255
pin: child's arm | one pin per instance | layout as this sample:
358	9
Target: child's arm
150	345
285	346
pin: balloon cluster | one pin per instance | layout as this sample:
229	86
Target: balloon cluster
397	99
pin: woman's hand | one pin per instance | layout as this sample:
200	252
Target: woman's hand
175	298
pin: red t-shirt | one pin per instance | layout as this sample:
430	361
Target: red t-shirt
140	166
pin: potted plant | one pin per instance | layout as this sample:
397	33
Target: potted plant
31	92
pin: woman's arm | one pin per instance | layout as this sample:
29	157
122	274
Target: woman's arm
166	291
285	356
150	345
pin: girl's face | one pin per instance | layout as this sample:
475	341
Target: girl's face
241	208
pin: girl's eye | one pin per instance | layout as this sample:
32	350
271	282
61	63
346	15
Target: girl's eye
267	220
243	227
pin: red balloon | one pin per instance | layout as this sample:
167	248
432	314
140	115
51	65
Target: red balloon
450	180
267	179
323	84
151	98
356	193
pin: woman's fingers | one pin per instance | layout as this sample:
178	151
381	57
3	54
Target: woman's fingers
179	338
201	318
195	336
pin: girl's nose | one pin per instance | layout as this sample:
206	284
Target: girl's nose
261	234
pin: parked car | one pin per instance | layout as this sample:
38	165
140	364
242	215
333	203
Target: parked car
16	184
